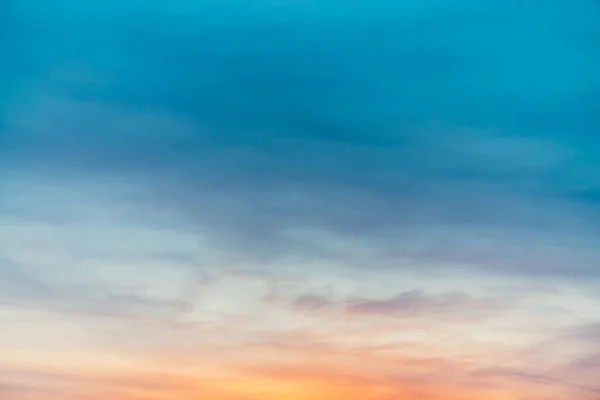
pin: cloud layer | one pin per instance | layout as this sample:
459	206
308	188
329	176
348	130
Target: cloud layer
299	199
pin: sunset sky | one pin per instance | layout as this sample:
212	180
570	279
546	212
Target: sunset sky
299	200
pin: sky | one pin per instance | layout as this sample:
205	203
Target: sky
299	199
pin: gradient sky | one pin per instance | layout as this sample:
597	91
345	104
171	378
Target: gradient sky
299	199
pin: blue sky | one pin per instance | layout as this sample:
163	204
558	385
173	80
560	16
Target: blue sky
437	154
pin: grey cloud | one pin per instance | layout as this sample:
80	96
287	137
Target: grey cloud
414	303
312	303
19	287
587	364
541	379
417	302
588	333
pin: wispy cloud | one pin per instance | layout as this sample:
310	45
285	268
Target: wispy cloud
414	303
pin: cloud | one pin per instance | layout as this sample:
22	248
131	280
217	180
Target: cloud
398	209
143	384
542	379
587	364
316	142
411	304
587	333
18	289
312	303
417	302
256	196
